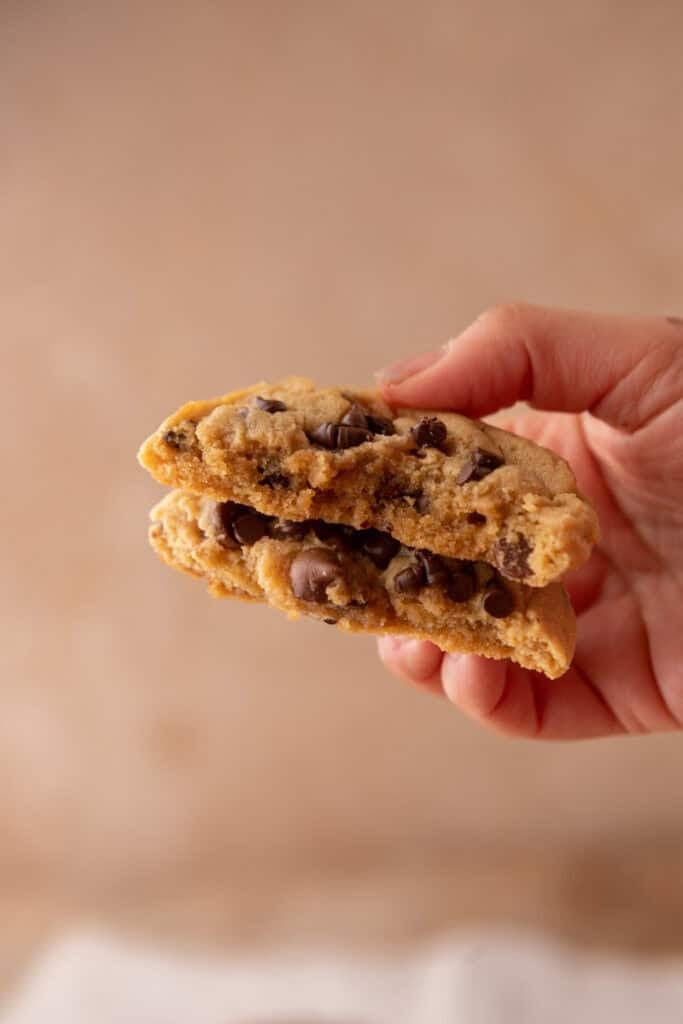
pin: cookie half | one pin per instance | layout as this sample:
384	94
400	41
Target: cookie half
440	482
364	581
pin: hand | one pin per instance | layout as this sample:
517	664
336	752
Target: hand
611	391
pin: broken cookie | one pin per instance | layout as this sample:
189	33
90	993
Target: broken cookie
437	482
364	580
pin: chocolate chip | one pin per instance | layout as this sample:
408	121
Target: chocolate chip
476	518
325	435
485	573
312	571
422	503
323	531
675	321
234	524
430	432
381	425
512	557
180	437
330	622
435	568
355	416
378	546
249	527
410	580
335	534
457	564
389	488
498	601
174	438
274	480
222	517
270	473
478	465
461	586
288	529
350	437
333	435
269	404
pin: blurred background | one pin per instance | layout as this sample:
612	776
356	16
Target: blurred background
196	196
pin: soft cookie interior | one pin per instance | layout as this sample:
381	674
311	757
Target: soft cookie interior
364	580
435	482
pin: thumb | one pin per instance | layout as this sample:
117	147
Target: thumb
624	370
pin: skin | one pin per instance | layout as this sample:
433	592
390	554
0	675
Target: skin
607	395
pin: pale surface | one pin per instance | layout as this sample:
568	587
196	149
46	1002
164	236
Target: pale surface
197	196
478	979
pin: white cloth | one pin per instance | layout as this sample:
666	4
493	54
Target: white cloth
478	979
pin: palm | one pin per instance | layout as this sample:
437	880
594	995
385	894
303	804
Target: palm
626	676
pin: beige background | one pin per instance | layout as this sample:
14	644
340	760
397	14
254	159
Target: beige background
194	196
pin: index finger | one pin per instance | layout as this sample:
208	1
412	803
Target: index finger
617	367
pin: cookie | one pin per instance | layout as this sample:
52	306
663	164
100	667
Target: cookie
440	482
364	580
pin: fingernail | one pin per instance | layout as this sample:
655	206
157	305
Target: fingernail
404	368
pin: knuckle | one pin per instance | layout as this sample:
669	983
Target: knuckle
507	317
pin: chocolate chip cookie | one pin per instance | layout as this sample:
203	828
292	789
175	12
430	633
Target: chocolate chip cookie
363	580
437	482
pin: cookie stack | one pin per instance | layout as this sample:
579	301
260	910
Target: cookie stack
327	502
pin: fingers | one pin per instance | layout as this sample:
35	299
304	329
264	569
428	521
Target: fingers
621	369
416	661
518	703
502	696
408	367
